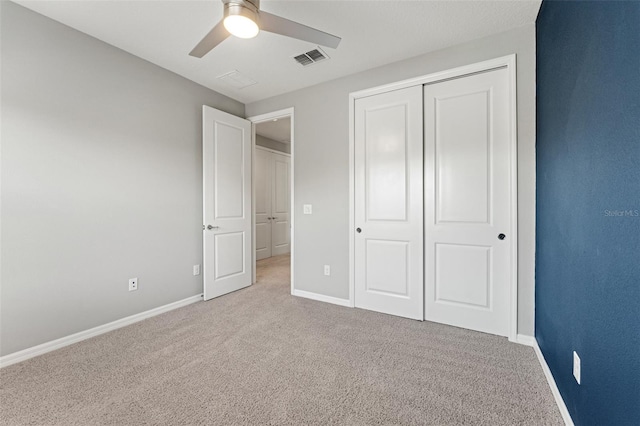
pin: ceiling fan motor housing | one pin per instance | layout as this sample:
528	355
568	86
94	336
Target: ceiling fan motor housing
252	4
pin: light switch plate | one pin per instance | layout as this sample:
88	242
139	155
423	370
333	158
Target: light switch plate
307	209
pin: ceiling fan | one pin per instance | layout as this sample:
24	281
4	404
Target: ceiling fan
244	19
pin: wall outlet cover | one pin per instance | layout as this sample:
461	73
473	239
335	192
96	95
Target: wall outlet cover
327	270
133	284
576	366
196	269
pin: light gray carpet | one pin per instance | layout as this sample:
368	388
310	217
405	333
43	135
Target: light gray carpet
261	356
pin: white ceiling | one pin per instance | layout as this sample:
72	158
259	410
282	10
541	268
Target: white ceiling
278	130
373	33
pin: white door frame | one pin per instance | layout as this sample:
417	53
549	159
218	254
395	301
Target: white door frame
508	62
283	113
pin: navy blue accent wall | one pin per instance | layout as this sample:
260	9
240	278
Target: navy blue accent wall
588	205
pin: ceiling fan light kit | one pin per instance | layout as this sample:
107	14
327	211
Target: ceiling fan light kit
240	20
244	19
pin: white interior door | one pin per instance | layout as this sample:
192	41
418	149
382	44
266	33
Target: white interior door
226	151
468	204
280	204
388	205
263	185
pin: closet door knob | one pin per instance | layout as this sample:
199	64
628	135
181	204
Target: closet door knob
358	230
501	236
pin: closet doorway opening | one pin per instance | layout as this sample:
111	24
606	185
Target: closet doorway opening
273	219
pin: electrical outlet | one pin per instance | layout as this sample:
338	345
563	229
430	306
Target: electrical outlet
307	209
576	366
327	270
133	284
196	269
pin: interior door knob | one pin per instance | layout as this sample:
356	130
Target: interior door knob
210	227
358	230
501	236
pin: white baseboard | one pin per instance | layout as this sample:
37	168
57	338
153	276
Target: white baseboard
322	298
34	351
526	340
552	384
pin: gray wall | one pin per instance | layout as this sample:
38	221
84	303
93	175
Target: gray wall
271	144
322	153
101	181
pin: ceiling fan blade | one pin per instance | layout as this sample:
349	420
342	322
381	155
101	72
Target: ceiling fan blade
276	24
216	36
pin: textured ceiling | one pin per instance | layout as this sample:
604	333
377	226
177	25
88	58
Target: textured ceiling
373	33
279	130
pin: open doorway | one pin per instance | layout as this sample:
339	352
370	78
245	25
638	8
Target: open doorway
273	197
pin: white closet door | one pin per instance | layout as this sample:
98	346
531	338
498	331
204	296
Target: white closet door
227	202
280	204
388	205
263	203
467	199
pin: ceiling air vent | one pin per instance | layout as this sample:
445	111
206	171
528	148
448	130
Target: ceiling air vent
311	57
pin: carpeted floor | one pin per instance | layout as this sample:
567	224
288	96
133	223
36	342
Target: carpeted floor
261	356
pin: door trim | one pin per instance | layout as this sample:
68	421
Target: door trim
287	112
508	62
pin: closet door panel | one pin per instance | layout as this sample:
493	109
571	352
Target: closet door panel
280	204
263	203
389	203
